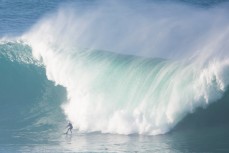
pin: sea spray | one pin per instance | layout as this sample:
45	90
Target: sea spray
120	93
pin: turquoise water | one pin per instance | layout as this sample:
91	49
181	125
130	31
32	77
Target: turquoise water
146	76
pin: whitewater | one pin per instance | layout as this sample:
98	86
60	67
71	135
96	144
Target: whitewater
115	67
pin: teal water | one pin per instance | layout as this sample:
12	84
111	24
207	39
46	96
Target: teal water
186	141
157	82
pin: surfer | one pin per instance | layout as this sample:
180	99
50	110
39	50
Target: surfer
70	127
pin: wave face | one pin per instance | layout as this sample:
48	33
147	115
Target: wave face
114	82
27	98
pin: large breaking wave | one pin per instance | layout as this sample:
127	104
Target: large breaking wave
127	89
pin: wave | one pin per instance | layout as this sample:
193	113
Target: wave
121	87
108	92
124	94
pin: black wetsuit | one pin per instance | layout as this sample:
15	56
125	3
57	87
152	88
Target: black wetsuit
70	127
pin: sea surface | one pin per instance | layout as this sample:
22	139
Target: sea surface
131	76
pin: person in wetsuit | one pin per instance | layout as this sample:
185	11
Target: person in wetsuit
70	127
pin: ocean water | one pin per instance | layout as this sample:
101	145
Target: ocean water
131	76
